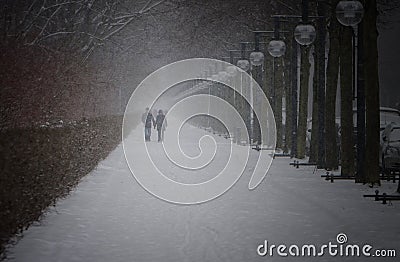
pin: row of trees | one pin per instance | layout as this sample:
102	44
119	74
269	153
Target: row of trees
335	41
118	43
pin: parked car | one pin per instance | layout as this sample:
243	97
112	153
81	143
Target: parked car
390	149
387	115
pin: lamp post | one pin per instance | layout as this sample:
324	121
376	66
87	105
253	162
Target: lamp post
320	55
232	70
350	13
294	93
256	61
276	49
257	58
245	65
304	35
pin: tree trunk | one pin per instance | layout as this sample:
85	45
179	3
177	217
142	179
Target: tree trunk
257	75
331	150
314	131
360	173
302	124
243	107
293	78
278	101
267	82
371	92
288	101
346	102
321	70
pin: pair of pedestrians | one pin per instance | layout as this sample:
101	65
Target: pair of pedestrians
159	122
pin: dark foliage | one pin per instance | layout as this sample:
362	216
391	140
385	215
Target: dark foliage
40	165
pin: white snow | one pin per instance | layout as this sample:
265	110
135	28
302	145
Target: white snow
109	217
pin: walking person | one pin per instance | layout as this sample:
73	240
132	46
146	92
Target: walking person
161	125
148	120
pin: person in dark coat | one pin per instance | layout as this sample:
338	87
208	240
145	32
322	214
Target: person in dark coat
147	120
161	125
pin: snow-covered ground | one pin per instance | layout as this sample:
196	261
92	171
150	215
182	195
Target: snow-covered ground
109	217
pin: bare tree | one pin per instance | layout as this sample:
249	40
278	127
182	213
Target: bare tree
346	99
370	34
331	150
288	102
303	101
314	130
278	85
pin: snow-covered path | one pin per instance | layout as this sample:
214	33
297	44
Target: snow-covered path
109	217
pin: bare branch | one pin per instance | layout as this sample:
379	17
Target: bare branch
28	12
289	7
145	6
62	4
153	6
45	25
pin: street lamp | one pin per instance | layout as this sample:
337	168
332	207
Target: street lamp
244	64
349	13
276	48
304	34
256	58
